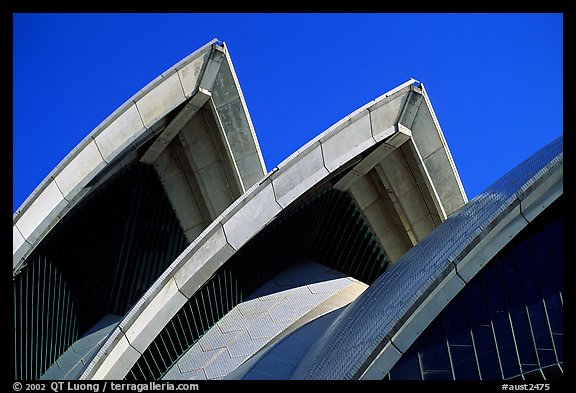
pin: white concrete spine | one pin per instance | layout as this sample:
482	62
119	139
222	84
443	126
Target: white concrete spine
80	170
384	361
347	140
17	244
190	74
119	133
155	315
384	115
39	215
118	362
156	103
210	253
251	215
297	179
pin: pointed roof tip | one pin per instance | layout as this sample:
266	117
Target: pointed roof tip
415	82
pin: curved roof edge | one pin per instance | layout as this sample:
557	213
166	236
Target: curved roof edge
315	162
371	334
138	119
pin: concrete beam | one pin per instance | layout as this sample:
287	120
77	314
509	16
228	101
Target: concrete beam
385	114
179	192
347	140
120	133
191	72
235	121
410	109
119	361
258	206
424	180
210	253
174	127
158	102
393	142
201	148
444	181
373	201
39	215
224	151
194	191
74	176
383	363
155	315
394	196
212	68
19	246
250	215
299	175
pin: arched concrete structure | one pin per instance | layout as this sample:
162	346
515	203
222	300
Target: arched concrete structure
192	126
342	156
159	112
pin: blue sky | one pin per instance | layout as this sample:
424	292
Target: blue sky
495	80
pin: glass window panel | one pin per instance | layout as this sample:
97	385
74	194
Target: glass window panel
542	264
510	281
482	331
555	237
527	352
528	280
556	319
500	321
536	313
546	357
476	304
489	367
433	349
499	315
407	368
559	343
502	329
509	359
456	322
493	289
483	339
549	288
464	362
540	328
511	277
